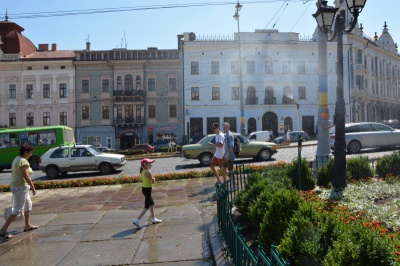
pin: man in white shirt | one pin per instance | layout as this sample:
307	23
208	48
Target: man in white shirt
218	157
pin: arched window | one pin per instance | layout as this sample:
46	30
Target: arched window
138	83
269	96
119	83
128	83
287	95
251	95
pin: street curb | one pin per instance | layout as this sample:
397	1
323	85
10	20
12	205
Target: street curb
217	245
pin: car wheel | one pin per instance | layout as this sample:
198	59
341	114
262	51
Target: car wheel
64	173
148	152
264	154
1	169
34	162
105	168
52	171
354	146
205	159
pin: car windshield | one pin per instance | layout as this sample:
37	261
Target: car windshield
94	150
200	141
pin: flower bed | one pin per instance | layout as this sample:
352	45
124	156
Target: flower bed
98	181
309	229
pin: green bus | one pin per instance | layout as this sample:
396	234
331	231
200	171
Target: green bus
41	138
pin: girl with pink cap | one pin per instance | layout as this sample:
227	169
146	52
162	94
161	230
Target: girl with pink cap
148	181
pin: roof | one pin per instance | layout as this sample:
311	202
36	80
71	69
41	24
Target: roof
13	40
51	55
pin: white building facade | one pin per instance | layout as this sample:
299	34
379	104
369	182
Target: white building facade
276	68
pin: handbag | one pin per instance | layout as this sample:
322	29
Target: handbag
8	211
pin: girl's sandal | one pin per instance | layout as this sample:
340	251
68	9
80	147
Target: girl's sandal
6	235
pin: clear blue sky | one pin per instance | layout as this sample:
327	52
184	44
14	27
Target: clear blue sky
159	27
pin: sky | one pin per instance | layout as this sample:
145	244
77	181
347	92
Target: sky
158	27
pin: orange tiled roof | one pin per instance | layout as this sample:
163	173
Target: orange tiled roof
51	55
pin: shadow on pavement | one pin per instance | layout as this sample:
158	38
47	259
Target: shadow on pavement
126	233
77	175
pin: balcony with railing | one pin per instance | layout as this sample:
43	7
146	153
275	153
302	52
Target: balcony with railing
286	100
252	101
270	100
128	96
128	121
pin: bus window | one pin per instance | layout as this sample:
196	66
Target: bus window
32	138
46	137
4	141
14	140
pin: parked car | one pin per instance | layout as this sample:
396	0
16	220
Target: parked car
147	148
77	158
259	136
367	135
250	149
394	123
159	144
293	137
106	149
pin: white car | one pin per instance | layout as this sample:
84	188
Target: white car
77	158
367	135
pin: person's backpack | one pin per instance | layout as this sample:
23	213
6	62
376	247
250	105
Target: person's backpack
236	146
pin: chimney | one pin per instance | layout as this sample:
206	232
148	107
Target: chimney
54	47
43	47
87	46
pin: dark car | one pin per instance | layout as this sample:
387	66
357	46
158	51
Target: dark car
394	123
159	144
293	137
147	148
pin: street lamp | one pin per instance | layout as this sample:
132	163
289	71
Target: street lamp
324	18
299	142
242	124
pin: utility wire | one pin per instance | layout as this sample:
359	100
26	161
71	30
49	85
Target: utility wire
128	9
297	21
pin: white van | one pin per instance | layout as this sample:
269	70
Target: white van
259	136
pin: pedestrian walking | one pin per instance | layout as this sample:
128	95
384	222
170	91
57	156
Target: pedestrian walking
229	156
20	185
218	157
148	181
271	135
288	137
170	145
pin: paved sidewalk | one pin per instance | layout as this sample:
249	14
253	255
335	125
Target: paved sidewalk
93	226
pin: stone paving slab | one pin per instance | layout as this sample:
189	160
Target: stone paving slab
77	218
93	226
127	231
115	252
175	228
36	255
169	248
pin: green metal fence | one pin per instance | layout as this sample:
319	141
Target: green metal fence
236	245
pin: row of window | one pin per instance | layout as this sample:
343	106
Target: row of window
128	84
128	56
128	112
12	91
30	119
250	67
381	65
44	67
250	93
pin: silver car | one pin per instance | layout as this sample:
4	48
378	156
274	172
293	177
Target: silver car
77	158
367	135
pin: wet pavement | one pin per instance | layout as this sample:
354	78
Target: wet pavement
93	226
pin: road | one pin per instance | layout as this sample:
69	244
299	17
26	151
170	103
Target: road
177	164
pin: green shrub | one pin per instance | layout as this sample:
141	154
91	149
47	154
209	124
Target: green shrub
252	200
307	182
277	216
357	246
165	149
358	168
388	164
301	242
325	173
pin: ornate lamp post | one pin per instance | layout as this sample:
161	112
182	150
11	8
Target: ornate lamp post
299	142
242	124
325	17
